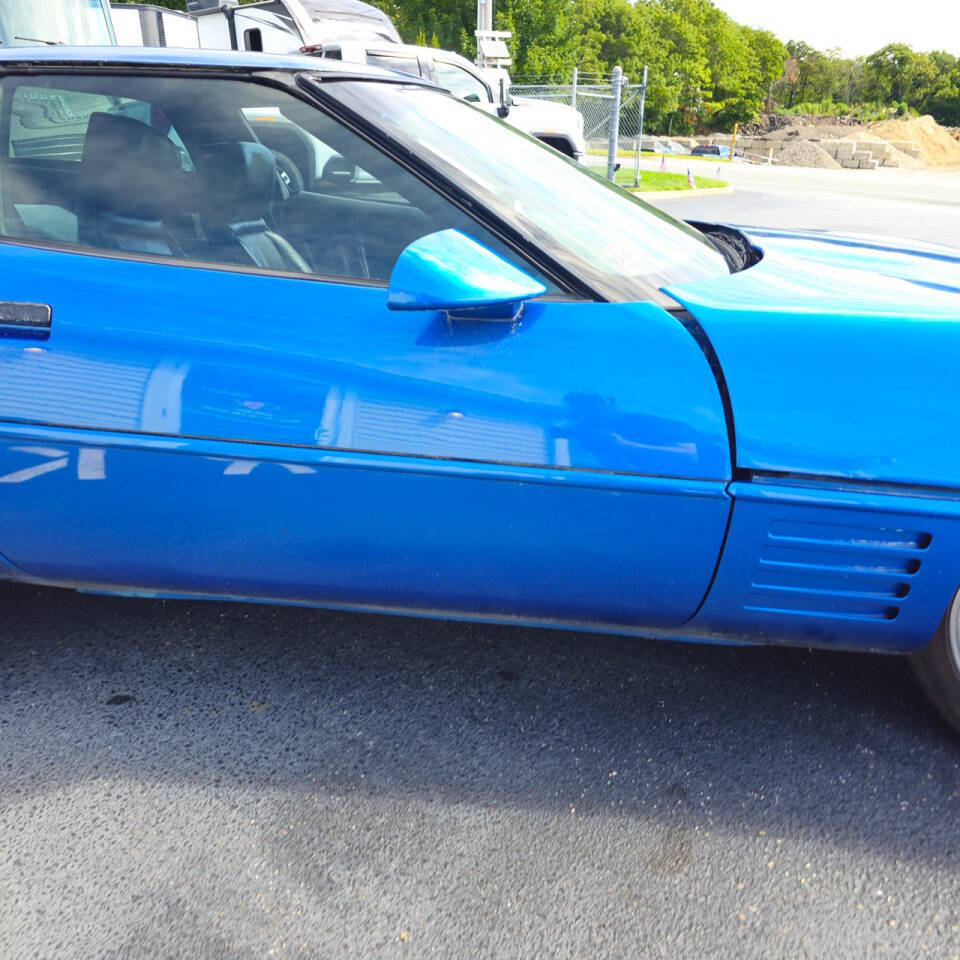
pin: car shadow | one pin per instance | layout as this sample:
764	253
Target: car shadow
783	741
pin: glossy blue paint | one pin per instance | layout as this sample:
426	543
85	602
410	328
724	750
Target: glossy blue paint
356	530
374	458
819	566
840	356
169	349
448	270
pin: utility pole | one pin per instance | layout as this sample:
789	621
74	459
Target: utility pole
616	82
492	50
484	16
643	98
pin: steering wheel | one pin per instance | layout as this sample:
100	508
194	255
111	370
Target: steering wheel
288	173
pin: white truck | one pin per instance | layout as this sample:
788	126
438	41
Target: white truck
54	22
144	25
555	124
346	30
274	26
279	26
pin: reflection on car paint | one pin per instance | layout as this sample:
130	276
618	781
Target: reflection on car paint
355	376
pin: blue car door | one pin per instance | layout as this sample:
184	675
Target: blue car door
203	394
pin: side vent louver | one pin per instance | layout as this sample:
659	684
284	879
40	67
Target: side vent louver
833	570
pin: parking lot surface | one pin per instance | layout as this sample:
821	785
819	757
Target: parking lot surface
914	204
227	780
206	780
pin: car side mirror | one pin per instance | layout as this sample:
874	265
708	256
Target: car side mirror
449	270
506	101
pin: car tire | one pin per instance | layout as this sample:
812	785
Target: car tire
937	666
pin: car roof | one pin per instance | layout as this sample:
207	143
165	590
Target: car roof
230	60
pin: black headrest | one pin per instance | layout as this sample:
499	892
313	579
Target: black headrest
240	181
130	169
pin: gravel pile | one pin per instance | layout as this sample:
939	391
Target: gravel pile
803	153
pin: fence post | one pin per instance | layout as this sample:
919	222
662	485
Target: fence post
573	93
643	97
616	82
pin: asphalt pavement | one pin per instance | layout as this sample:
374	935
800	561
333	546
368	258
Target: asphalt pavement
224	780
915	204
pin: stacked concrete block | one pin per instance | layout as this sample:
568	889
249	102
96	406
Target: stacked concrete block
859	155
908	147
846	150
840	150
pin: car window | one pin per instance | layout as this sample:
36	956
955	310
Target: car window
393	61
226	172
461	83
50	122
617	245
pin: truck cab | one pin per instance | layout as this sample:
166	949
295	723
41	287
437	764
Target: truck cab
55	23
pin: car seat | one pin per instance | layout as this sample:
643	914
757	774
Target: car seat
239	186
130	180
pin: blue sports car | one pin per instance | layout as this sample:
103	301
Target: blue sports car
296	330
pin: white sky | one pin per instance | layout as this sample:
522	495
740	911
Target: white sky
855	26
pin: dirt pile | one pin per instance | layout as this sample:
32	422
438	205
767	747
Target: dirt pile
937	147
803	153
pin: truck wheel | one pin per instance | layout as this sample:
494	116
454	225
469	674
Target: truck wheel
937	666
559	144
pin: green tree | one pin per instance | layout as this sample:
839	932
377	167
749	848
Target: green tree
896	73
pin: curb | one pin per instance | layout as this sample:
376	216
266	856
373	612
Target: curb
645	194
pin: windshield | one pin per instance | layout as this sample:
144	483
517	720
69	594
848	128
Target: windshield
31	22
622	248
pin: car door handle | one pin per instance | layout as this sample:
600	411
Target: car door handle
31	320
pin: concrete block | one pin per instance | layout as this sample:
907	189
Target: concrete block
868	164
845	149
862	155
850	164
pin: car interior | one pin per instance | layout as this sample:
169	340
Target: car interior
220	171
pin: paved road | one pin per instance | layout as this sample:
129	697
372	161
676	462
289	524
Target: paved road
210	781
917	204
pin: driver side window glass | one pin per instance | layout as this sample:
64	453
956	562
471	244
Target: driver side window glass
52	123
259	179
461	83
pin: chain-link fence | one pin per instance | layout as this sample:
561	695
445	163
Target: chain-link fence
592	96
